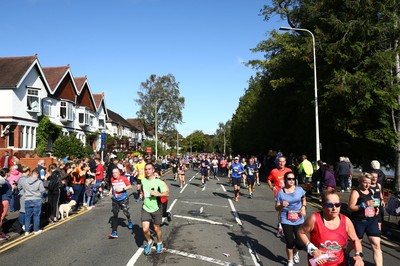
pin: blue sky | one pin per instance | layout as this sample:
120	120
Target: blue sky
118	44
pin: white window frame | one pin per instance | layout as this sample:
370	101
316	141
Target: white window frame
32	96
69	114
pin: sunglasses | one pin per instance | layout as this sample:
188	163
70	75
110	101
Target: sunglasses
290	178
330	205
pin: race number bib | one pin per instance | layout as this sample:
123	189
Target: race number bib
369	212
293	215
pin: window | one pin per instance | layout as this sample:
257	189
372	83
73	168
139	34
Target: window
101	123
66	112
47	108
32	101
84	118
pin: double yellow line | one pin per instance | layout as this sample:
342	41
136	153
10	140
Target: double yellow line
24	238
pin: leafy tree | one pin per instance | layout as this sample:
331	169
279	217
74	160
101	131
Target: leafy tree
69	145
46	132
198	141
357	48
160	95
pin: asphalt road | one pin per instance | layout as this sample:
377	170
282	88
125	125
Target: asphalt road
208	228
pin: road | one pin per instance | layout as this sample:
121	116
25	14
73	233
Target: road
208	228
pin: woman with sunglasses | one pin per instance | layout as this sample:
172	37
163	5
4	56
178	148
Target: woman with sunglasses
329	232
290	202
365	213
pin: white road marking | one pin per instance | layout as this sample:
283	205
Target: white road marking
201	220
172	205
201	210
234	212
183	188
201	203
135	257
199	257
193	177
223	188
253	254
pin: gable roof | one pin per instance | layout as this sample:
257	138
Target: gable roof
136	123
100	100
55	75
14	69
80	81
116	118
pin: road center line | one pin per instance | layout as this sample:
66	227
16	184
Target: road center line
234	212
135	257
201	220
223	188
193	177
183	189
198	257
253	254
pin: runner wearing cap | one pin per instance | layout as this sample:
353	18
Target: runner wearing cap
236	170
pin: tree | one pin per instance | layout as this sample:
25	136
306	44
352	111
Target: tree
359	101
47	132
198	141
160	95
69	145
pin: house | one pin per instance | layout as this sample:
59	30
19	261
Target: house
29	91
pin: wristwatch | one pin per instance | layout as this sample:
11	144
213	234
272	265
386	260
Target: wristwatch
359	254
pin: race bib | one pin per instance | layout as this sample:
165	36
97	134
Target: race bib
369	212
250	171
293	215
377	202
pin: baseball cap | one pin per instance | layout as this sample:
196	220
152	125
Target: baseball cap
236	158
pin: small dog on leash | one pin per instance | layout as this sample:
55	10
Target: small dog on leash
64	209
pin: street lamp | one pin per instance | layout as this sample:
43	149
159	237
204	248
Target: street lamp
317	148
155	122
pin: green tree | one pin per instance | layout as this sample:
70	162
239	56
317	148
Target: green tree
47	132
198	141
69	145
160	95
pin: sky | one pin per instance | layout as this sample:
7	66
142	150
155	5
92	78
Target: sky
118	44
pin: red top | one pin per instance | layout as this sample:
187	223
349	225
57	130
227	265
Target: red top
99	172
331	241
276	176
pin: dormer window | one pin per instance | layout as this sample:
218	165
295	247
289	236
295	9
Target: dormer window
32	101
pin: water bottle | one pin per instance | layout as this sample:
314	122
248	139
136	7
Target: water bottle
313	261
42	173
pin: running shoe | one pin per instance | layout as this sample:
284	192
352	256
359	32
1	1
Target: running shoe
159	248
3	236
38	232
138	200
148	247
130	224
296	257
113	235
169	217
290	263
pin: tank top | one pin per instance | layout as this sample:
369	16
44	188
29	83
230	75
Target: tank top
360	214
331	241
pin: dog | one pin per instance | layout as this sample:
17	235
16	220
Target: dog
66	208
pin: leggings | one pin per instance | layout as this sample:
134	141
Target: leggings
292	241
116	206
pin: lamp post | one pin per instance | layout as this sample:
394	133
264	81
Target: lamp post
317	148
224	142
155	122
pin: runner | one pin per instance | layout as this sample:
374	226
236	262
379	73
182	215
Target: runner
236	171
175	163
258	168
251	171
139	172
181	172
204	166
214	164
276	177
151	210
120	200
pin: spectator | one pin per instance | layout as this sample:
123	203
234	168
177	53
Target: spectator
343	173
13	181
22	181
376	168
33	201
6	161
5	194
